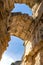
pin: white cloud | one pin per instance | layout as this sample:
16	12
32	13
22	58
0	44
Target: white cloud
6	60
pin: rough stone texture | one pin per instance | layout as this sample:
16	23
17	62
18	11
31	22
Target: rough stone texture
34	47
19	25
30	29
4	36
37	10
38	57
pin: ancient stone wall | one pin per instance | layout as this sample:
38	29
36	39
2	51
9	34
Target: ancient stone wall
30	29
18	25
4	36
33	54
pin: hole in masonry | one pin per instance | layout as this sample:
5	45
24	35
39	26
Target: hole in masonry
14	51
23	8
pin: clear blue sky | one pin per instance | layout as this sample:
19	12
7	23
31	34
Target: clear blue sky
15	50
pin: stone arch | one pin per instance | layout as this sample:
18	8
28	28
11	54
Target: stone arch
19	25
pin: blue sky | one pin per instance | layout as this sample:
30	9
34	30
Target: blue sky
16	49
22	8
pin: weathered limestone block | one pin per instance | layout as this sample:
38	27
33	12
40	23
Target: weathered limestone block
4	36
9	4
28	47
41	56
36	40
38	57
27	60
34	46
3	47
33	56
19	25
37	10
6	5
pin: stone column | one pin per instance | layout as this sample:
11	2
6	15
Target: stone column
33	55
38	57
4	36
27	59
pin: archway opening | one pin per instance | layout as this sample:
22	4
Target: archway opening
23	8
15	50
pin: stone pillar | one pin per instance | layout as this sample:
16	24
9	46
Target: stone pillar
41	56
33	55
38	57
4	36
27	59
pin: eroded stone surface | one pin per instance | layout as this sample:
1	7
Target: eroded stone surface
27	28
17	25
34	46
